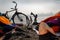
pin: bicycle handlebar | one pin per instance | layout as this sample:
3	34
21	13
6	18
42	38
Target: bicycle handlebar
14	9
15	5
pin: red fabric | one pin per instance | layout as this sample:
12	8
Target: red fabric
55	28
51	18
1	31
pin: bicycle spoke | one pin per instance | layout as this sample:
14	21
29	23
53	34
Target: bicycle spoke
19	18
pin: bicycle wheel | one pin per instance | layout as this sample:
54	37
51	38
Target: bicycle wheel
20	18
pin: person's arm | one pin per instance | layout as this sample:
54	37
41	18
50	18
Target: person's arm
49	28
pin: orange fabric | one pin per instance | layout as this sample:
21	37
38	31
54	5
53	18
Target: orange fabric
4	20
57	15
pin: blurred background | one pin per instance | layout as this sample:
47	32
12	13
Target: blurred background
44	8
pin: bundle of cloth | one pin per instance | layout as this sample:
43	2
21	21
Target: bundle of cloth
5	25
54	22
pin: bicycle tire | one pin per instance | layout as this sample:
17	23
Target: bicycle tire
19	13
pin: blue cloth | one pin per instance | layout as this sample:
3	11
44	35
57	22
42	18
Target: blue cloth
7	27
